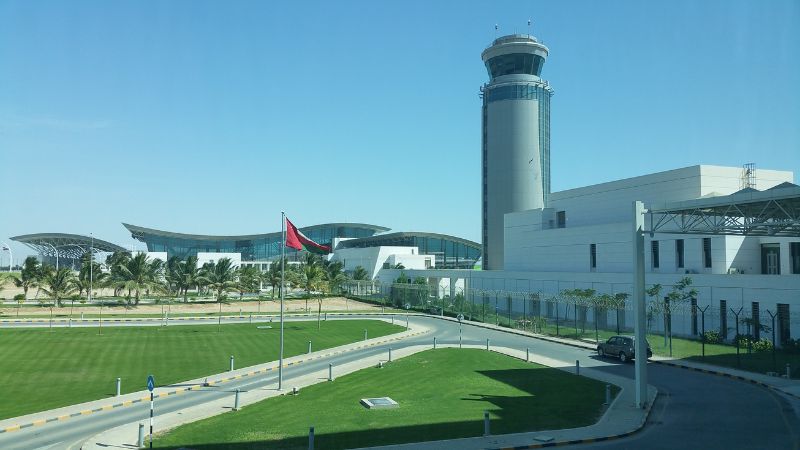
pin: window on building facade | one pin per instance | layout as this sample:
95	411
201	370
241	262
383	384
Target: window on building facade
593	256
679	253
561	219
707	252
794	248
654	257
770	259
427	263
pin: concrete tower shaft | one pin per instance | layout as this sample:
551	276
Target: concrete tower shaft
516	137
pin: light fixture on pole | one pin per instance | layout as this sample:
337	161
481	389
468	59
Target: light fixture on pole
7	248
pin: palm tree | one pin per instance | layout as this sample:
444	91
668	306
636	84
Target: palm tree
29	276
220	276
360	274
310	273
187	276
58	284
249	280
273	276
137	274
334	275
115	262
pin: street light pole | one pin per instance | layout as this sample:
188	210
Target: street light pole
640	323
91	267
10	255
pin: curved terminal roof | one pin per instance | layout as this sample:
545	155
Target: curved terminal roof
382	239
67	245
252	247
138	232
451	252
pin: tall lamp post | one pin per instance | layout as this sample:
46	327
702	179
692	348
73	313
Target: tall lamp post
7	248
91	266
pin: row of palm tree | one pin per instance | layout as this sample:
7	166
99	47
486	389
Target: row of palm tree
132	276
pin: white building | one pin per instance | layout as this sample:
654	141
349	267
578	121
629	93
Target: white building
584	240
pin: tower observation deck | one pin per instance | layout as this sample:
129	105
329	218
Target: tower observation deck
515	138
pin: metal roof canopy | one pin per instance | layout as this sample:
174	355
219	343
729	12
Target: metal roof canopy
772	212
67	245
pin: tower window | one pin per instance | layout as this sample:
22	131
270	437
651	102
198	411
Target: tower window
593	256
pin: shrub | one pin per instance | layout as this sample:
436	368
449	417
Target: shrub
762	345
713	337
19	297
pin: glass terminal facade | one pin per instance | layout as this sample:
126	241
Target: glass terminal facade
451	252
259	247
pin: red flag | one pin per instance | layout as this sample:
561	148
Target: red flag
298	241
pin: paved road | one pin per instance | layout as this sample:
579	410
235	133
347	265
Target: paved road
694	410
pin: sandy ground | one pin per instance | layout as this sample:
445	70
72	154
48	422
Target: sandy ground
269	306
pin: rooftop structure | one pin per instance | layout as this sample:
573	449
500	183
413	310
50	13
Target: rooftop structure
450	252
253	247
67	247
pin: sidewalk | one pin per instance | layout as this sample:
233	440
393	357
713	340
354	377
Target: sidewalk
620	419
96	406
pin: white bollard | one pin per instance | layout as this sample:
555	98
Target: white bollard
231	369
788	371
487	344
608	394
119	386
527	355
434	342
577	367
330	372
486	430
140	441
365	335
406	322
81	317
309	346
390	354
236	400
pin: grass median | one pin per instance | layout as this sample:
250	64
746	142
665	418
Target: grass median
442	395
42	369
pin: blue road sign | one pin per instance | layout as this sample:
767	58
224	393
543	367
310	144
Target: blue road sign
151	383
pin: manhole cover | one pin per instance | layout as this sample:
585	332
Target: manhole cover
379	403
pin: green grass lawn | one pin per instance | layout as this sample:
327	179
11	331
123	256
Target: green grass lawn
442	395
132	313
43	369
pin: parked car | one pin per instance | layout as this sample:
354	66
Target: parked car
621	347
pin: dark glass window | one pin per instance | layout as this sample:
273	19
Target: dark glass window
561	219
795	256
707	252
516	63
593	255
770	259
679	253
654	254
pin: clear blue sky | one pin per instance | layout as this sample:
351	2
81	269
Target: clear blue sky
212	117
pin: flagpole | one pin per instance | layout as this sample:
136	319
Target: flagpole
283	268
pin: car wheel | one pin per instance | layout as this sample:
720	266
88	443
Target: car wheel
600	352
623	357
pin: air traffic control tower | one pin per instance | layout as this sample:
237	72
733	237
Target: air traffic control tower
516	136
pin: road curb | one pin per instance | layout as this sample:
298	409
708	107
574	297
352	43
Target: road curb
588	440
725	375
145	398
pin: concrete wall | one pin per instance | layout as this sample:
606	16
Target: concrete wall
205	257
